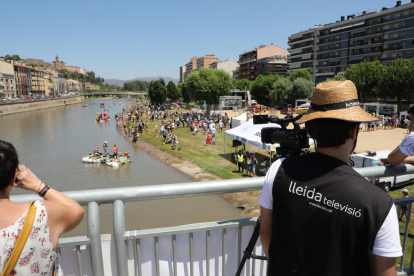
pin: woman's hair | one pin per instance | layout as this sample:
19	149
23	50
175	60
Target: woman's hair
8	163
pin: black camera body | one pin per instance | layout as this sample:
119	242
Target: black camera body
291	141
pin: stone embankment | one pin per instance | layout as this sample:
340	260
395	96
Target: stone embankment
11	107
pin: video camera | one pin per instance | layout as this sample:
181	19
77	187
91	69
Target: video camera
291	141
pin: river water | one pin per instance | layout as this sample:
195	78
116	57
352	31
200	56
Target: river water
51	142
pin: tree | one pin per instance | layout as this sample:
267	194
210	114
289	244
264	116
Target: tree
16	57
243	84
8	57
366	76
281	89
300	73
172	91
262	86
338	77
179	87
186	94
137	85
301	88
157	91
208	85
398	80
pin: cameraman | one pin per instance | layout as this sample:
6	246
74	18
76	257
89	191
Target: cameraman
320	217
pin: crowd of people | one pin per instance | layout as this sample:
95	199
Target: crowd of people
134	120
384	123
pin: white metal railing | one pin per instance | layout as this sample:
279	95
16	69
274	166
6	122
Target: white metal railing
129	246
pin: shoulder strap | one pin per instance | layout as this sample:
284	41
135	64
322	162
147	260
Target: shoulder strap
21	240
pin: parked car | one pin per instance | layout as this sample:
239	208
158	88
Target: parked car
301	109
287	110
363	160
386	111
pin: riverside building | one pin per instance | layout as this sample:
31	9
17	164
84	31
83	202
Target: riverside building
206	61
190	67
272	65
182	70
248	60
228	66
327	50
7	83
23	78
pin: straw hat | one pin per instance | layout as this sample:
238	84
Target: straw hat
336	100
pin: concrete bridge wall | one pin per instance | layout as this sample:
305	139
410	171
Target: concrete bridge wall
13	107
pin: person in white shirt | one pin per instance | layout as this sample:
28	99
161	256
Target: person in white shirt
405	151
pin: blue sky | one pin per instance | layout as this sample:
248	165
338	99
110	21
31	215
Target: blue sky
127	39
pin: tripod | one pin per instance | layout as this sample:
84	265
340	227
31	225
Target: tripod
248	252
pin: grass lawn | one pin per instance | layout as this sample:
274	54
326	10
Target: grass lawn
214	159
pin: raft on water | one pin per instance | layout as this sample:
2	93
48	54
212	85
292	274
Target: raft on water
110	162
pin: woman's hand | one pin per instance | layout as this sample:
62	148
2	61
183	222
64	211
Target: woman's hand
27	180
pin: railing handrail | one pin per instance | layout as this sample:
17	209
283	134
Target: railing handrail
164	191
118	197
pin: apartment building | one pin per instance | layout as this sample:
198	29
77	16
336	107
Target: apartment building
205	61
182	70
228	66
62	83
190	67
75	69
248	60
7	83
327	50
23	79
90	86
38	82
272	65
75	86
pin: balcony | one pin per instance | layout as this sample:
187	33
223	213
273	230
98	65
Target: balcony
299	39
356	44
306	66
383	20
366	51
390	58
336	63
393	48
329	41
394	38
298	46
247	61
395	28
328	56
302	53
329	49
343	30
357	35
299	60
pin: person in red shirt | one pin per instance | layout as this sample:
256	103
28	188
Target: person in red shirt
208	140
115	152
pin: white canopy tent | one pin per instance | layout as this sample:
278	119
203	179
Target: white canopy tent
239	120
250	134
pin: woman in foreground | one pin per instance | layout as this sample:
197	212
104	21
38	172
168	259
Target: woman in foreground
55	214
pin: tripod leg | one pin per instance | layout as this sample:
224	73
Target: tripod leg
249	249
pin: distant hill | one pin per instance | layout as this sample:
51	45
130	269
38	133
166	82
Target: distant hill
121	82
